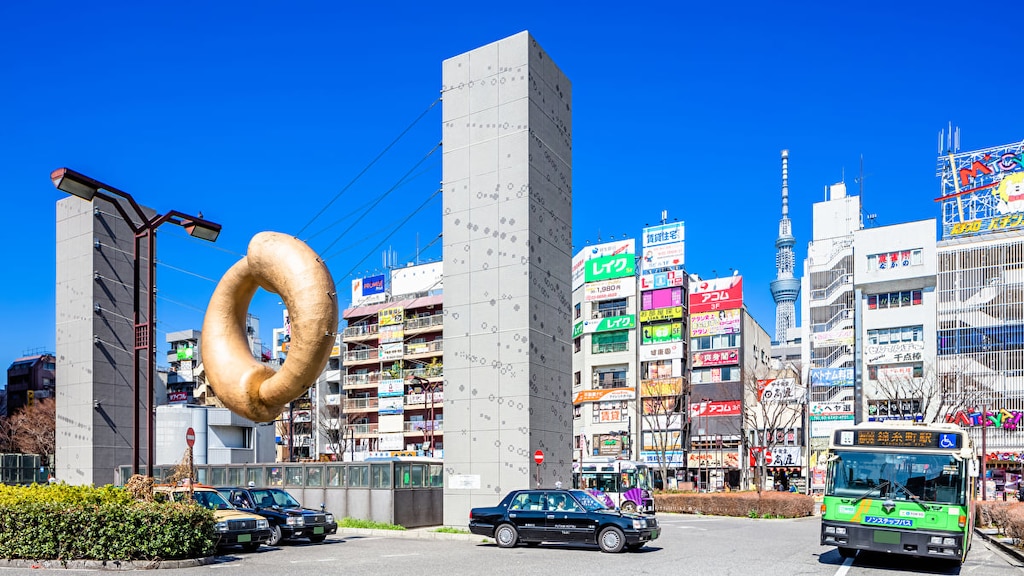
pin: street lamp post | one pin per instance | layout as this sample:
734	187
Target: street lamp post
86	188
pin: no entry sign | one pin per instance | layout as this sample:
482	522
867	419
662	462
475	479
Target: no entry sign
190	437
538	457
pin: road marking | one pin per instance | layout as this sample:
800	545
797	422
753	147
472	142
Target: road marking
847	562
397	555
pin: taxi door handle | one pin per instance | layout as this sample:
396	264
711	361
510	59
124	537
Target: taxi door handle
551	516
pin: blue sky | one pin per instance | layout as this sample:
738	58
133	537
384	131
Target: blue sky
258	114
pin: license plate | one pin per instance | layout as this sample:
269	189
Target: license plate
245	537
318	530
654	534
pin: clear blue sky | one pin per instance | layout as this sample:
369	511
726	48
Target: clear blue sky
259	113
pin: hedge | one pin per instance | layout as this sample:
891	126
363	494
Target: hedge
768	504
63	522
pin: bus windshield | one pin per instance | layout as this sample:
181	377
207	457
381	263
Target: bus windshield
900	476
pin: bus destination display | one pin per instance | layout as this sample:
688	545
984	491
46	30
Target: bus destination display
899	439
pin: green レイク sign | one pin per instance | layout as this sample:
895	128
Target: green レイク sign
626	322
609	267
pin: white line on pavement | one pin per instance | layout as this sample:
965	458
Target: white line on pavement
847	562
397	555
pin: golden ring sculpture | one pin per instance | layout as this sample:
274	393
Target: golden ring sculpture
289	268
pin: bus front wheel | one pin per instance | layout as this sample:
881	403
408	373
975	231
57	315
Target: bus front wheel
847	552
628	506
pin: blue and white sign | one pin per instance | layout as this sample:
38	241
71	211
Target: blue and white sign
831	376
664	234
883	521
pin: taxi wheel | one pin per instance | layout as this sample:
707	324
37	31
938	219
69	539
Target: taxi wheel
611	539
275	536
506	536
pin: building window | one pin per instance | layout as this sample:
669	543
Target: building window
576	344
577	311
896	335
577	379
894	299
609	309
717	374
617	341
714	342
610	377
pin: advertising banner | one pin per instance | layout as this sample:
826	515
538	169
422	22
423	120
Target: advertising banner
393	333
656	440
712	323
712	459
604	395
391	405
609	267
663	351
716	358
661	298
825	428
604	325
839	410
982	190
663	256
717	294
672	458
895	374
177	397
613	415
893	353
661	333
661	387
390	387
783	390
716	408
608	289
417	348
390	441
392	351
664	234
665	279
832	377
833	337
420	279
368	290
591	252
671	313
388	316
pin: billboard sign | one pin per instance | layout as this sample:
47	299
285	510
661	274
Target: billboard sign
609	289
392	333
670	313
663	256
661	387
419	279
590	252
608	267
838	410
663	234
604	325
716	294
716	408
666	279
391	351
665	351
390	387
711	323
832	377
662	333
391	405
833	337
388	316
893	353
604	395
982	191
783	390
716	358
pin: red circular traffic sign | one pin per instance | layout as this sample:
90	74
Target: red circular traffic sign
190	437
538	457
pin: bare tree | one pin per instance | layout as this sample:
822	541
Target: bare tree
329	428
774	410
928	392
32	429
662	414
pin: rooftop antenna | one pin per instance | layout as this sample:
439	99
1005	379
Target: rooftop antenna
664	216
949	139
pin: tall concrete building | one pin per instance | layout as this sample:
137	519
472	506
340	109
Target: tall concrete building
786	287
95	338
507	224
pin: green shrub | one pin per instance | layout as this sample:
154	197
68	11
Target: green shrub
62	522
767	505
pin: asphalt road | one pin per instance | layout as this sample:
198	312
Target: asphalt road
690	545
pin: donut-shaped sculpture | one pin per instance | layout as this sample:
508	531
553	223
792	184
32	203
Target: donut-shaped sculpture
289	268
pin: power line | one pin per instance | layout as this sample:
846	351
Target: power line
383	196
183	271
368	166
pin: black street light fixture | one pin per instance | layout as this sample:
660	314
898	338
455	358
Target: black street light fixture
144	227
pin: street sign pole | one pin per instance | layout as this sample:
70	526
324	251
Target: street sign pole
538	457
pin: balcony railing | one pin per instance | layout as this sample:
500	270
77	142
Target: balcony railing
610	313
361	355
361	404
610	383
361	330
424	322
425	372
432	347
352	380
358	429
610	347
425	426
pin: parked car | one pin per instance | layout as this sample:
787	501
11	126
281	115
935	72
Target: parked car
233	526
535	516
288	519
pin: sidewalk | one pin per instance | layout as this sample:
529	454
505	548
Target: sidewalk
1002	542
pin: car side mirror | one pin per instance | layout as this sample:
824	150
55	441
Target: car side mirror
323	507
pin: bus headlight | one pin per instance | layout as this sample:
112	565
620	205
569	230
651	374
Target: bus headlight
841	530
949	541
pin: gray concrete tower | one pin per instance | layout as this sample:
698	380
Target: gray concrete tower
785	288
507	170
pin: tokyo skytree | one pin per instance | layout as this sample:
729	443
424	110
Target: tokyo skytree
785	288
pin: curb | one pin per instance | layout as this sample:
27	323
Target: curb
106	564
1002	542
427	533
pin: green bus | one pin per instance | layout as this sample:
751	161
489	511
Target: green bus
900	488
